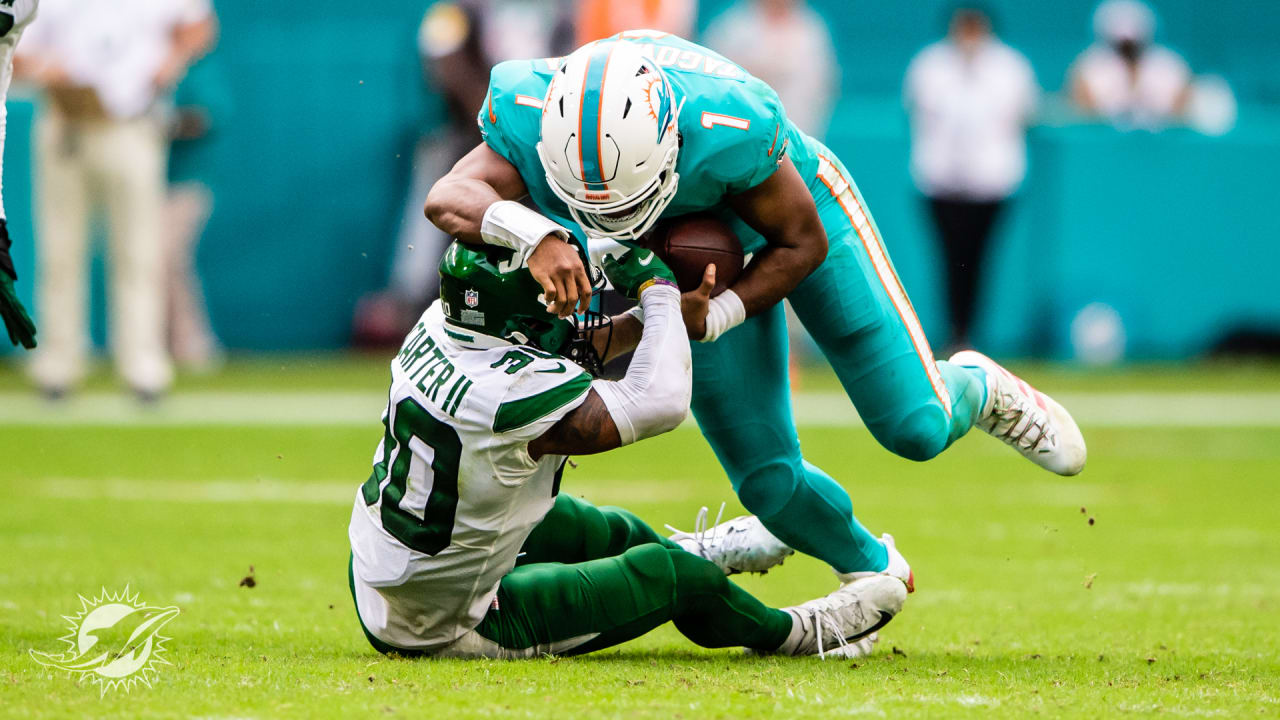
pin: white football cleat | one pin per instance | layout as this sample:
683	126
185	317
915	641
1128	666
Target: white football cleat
845	622
898	567
740	545
1027	419
861	647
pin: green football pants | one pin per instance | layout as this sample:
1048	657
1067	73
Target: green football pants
592	577
602	576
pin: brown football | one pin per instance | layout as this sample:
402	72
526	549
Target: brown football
690	243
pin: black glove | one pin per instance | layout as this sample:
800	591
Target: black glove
16	321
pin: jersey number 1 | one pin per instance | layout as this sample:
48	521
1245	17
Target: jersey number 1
710	120
417	511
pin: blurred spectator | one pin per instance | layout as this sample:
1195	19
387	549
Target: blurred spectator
458	42
106	66
201	105
970	97
762	36
596	19
1125	77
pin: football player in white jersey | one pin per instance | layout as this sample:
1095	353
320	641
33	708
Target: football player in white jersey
462	544
15	15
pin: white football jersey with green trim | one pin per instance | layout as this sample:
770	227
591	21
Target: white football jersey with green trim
15	15
454	493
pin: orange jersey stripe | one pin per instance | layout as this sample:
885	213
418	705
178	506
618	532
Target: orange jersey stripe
885	273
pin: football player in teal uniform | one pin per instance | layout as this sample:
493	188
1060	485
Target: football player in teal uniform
645	125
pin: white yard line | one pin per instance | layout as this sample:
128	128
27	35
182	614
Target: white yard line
813	409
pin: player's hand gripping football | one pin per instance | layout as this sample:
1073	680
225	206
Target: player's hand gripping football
558	268
630	271
16	321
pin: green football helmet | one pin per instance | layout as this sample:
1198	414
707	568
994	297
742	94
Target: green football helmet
483	291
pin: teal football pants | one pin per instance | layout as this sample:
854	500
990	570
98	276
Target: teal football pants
856	310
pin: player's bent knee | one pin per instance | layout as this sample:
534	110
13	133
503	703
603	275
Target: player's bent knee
651	562
920	435
767	489
696	576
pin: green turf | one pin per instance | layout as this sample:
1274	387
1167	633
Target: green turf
1180	618
368	371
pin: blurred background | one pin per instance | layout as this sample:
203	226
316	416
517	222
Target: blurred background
1063	181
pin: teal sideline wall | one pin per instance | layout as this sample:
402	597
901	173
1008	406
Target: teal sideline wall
309	165
876	38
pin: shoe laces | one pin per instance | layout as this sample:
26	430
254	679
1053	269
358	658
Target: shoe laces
701	530
1016	411
825	613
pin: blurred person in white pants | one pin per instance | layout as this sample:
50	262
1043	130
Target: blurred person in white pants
15	15
106	67
971	98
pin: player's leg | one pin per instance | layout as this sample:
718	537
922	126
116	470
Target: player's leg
577	608
132	154
576	531
858	312
63	206
742	401
912	405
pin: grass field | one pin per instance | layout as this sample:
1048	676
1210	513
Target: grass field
1166	604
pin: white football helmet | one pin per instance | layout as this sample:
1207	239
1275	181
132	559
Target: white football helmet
609	138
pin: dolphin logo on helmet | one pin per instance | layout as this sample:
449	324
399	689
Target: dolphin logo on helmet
609	139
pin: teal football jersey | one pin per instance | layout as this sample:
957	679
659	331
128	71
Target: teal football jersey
733	128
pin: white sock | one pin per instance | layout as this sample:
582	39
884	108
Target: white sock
796	636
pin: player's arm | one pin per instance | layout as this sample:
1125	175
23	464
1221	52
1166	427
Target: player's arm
16	320
589	429
189	42
624	333
651	399
476	203
782	210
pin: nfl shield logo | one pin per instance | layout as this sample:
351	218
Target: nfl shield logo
471	298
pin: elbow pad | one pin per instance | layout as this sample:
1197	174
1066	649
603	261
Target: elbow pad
654	395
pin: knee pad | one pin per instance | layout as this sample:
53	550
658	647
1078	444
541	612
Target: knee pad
652	562
765	490
696	576
919	436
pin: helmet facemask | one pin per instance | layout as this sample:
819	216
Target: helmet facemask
581	347
634	218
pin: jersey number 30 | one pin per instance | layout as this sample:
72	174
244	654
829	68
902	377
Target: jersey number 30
418	508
